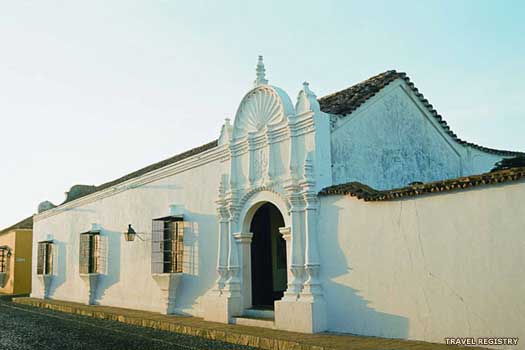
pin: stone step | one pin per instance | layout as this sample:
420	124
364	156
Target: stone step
254	322
259	313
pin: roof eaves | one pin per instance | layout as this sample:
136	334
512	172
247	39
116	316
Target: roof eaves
361	191
25	224
147	169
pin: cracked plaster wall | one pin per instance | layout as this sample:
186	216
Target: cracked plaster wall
426	268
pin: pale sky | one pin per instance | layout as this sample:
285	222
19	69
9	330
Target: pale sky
92	90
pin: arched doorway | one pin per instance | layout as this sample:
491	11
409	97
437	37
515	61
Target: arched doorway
268	257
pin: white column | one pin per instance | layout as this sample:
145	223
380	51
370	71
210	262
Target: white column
312	287
286	232
232	285
244	241
222	255
223	215
297	252
222	305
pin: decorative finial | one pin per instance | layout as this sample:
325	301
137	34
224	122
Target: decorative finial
260	76
306	88
306	101
226	132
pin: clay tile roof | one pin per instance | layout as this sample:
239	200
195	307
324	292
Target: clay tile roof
344	102
348	100
27	223
79	191
508	163
362	191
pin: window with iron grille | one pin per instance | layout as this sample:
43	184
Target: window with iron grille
167	245
44	265
3	259
89	255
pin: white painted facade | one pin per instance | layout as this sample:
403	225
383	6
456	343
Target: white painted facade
384	269
446	265
394	140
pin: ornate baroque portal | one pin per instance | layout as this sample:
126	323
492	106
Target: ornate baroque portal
274	158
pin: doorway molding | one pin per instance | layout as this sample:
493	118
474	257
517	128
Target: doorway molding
256	198
278	154
252	203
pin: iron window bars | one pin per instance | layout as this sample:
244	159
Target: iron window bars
3	259
44	264
89	255
167	245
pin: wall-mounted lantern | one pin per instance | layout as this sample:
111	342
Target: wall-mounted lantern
130	234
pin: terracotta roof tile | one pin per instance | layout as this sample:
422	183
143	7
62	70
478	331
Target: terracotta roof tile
361	191
340	103
80	191
27	223
346	101
508	163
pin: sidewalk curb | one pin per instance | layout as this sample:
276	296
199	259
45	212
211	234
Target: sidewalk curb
212	334
261	338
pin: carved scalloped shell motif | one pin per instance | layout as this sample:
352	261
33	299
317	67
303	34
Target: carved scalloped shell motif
260	108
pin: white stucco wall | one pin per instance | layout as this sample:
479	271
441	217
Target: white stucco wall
426	268
480	162
127	280
392	140
422	268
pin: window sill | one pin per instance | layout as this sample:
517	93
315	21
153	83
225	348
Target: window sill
168	284
89	274
166	274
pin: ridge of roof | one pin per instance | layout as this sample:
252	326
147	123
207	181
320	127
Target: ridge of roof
87	190
367	193
341	103
26	223
346	101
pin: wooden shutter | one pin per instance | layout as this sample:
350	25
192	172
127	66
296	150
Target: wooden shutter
84	255
169	262
41	255
94	253
157	246
48	265
178	245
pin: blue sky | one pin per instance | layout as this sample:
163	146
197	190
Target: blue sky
92	90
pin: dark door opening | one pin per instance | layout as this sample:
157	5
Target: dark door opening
268	257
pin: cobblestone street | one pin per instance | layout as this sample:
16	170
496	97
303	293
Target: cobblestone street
27	328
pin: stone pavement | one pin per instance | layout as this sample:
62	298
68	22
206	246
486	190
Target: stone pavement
261	338
24	327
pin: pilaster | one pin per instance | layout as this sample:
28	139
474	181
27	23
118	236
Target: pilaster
296	269
244	241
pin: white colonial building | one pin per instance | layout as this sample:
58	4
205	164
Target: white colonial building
358	212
